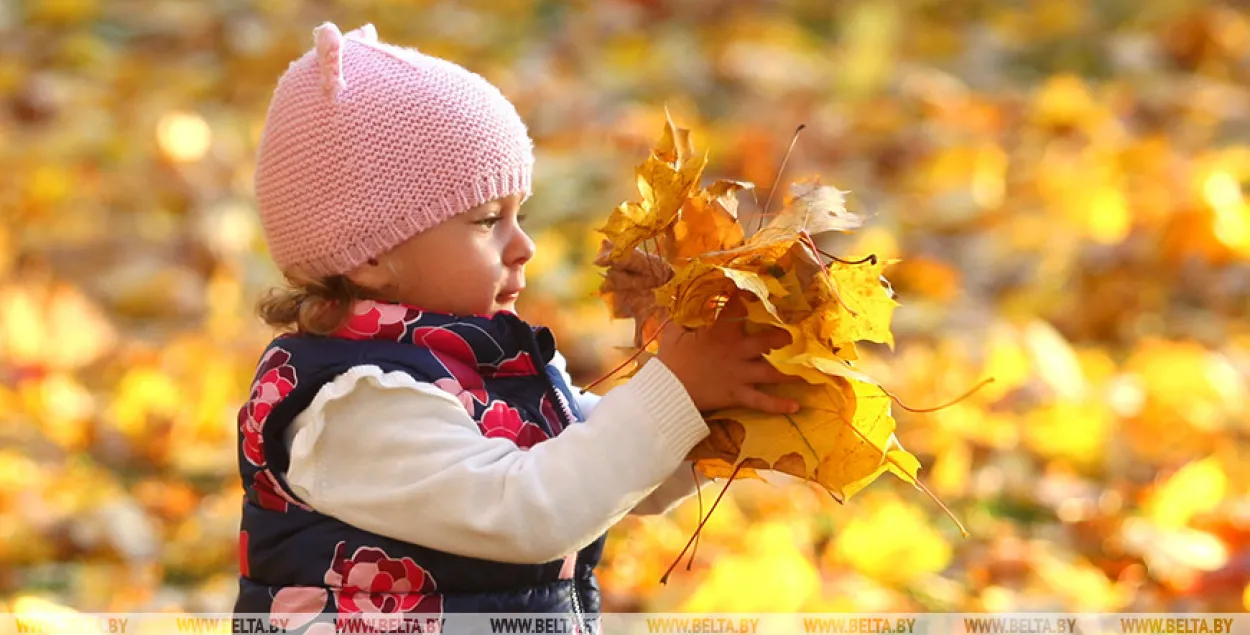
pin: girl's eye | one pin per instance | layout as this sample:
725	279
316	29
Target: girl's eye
495	220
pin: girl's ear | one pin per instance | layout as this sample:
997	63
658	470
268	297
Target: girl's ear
371	275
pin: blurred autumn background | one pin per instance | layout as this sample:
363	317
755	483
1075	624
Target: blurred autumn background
1064	182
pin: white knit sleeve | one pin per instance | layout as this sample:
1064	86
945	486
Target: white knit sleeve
680	485
403	459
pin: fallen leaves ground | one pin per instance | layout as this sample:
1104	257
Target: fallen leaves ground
1062	184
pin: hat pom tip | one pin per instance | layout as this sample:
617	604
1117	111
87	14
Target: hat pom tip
366	32
329	40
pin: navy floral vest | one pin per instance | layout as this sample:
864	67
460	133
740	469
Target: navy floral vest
294	560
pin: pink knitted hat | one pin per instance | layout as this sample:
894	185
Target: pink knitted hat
367	144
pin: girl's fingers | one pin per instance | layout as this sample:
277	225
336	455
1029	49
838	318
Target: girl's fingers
750	397
757	345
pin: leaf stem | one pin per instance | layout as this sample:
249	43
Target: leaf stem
810	243
664	579
815	455
962	530
969	393
915	480
773	190
629	359
698	494
655	242
870	258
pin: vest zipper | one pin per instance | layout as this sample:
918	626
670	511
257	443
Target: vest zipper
557	398
558	403
577	605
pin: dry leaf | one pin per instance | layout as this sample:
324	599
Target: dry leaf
629	288
866	305
666	180
816	209
843	438
708	222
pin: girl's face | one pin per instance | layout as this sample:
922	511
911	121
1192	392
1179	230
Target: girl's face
473	263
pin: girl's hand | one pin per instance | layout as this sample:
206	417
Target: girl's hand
721	366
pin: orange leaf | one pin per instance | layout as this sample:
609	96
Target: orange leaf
629	288
842	439
708	222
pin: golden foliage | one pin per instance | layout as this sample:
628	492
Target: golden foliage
843	438
1059	193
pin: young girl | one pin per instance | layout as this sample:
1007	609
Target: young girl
410	445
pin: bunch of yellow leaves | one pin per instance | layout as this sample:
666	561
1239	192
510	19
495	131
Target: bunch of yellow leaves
680	254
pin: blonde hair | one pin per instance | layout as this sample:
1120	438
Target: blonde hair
309	305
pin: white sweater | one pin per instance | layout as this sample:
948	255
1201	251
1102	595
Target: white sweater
400	458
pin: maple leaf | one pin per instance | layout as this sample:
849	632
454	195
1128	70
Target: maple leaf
666	180
666	185
815	209
699	289
629	288
695	293
790	263
708	222
627	226
808	355
865	305
842	439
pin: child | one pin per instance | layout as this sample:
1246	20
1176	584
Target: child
412	446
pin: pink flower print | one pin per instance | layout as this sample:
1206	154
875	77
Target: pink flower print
373	320
294	607
466	395
370	581
519	366
452	351
270	495
277	380
502	421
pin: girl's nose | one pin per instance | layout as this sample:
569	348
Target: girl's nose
520	248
